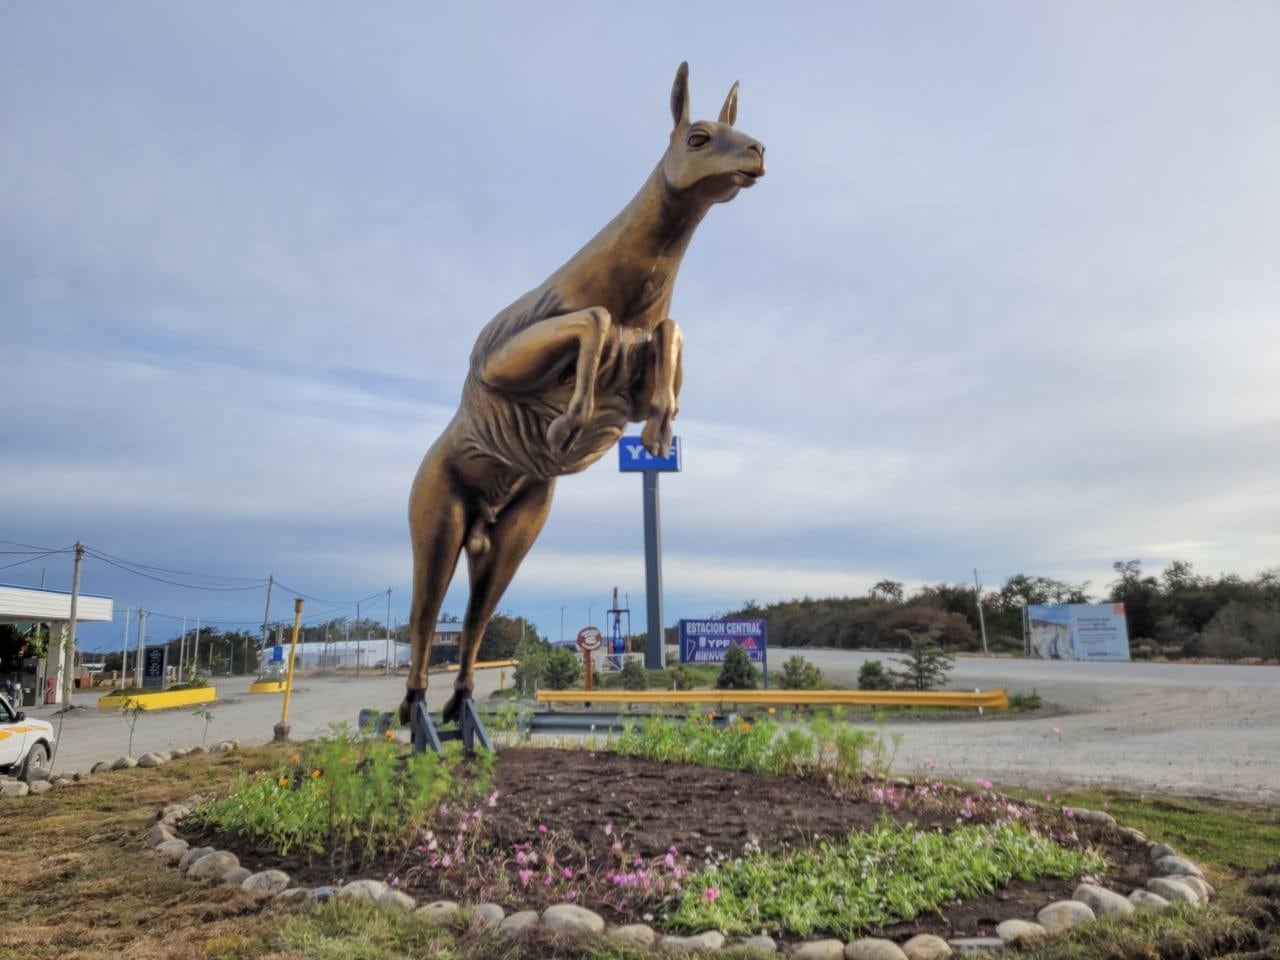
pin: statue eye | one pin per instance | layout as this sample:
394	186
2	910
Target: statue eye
698	139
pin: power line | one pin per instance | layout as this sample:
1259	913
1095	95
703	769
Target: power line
345	603
103	555
175	583
39	556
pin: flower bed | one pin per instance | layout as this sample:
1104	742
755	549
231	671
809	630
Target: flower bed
822	848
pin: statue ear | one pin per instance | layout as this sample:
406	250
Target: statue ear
680	95
729	112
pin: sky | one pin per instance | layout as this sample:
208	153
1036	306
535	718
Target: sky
1006	299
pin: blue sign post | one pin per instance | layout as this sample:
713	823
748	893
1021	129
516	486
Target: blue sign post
634	458
707	641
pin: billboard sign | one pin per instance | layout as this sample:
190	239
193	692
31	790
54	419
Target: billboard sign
153	664
634	458
1077	631
707	641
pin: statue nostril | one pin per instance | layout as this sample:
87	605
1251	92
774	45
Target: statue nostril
758	148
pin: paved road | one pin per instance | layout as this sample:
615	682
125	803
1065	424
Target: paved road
317	702
1211	730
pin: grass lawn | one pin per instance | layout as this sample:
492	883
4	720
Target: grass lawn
77	884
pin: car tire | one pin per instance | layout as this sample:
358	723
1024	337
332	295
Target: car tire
36	766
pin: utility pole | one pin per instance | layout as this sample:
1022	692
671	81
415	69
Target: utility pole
389	630
124	650
195	651
562	625
357	639
69	648
982	620
137	653
182	648
267	613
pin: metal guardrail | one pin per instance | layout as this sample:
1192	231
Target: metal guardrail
984	699
480	665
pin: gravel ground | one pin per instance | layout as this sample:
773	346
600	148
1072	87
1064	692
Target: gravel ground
1191	730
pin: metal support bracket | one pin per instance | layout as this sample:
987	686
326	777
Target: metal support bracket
470	729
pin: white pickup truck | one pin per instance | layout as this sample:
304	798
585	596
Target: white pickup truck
25	745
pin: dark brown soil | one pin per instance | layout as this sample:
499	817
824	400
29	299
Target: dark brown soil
651	806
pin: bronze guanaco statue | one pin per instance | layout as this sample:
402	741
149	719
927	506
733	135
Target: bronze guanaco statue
556	377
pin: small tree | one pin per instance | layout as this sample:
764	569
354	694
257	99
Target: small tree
531	671
737	672
681	679
925	666
563	669
205	714
131	711
872	675
633	676
799	674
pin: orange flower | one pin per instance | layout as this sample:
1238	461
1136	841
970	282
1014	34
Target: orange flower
746	727
772	711
315	774
390	734
284	781
295	758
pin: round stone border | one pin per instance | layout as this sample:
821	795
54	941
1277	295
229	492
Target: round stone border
1173	879
11	787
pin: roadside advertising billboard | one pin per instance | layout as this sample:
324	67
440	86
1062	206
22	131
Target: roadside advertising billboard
707	641
1077	631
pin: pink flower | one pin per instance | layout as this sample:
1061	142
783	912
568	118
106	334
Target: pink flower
421	849
571	896
670	860
542	828
521	858
928	763
395	881
711	894
547	880
617	847
1067	812
608	829
493	799
525	876
984	783
447	861
567	873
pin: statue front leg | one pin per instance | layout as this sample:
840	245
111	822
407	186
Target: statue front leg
521	364
661	390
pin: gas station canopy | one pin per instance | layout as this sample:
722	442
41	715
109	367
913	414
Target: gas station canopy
33	605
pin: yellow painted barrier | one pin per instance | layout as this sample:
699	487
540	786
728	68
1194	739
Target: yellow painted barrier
160	701
987	699
267	686
482	665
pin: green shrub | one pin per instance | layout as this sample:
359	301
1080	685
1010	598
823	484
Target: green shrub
1026	701
799	674
564	671
346	796
926	665
633	676
737	672
872	675
682	679
531	671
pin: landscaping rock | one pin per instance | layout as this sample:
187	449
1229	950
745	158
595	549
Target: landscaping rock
925	946
174	810
157	835
570	918
173	849
1160	850
709	940
124	763
1201	887
177	754
62	781
1013	931
14	788
39	786
760	944
819	950
519	921
323	894
369	890
1146	900
438	910
1129	833
968	945
196	751
1101	900
151	760
102	766
1090	816
489	914
873	948
1175	866
1065	915
213	865
267	881
1173	890
192	855
636	934
294	893
235	876
395	900
78	776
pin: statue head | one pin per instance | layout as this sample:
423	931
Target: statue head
709	161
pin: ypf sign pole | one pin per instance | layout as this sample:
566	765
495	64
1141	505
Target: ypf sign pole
633	458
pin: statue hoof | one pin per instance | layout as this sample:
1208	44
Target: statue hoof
452	709
406	706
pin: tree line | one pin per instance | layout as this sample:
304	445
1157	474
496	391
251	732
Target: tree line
1177	613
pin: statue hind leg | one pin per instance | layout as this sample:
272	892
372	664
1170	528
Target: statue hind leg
437	525
510	538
